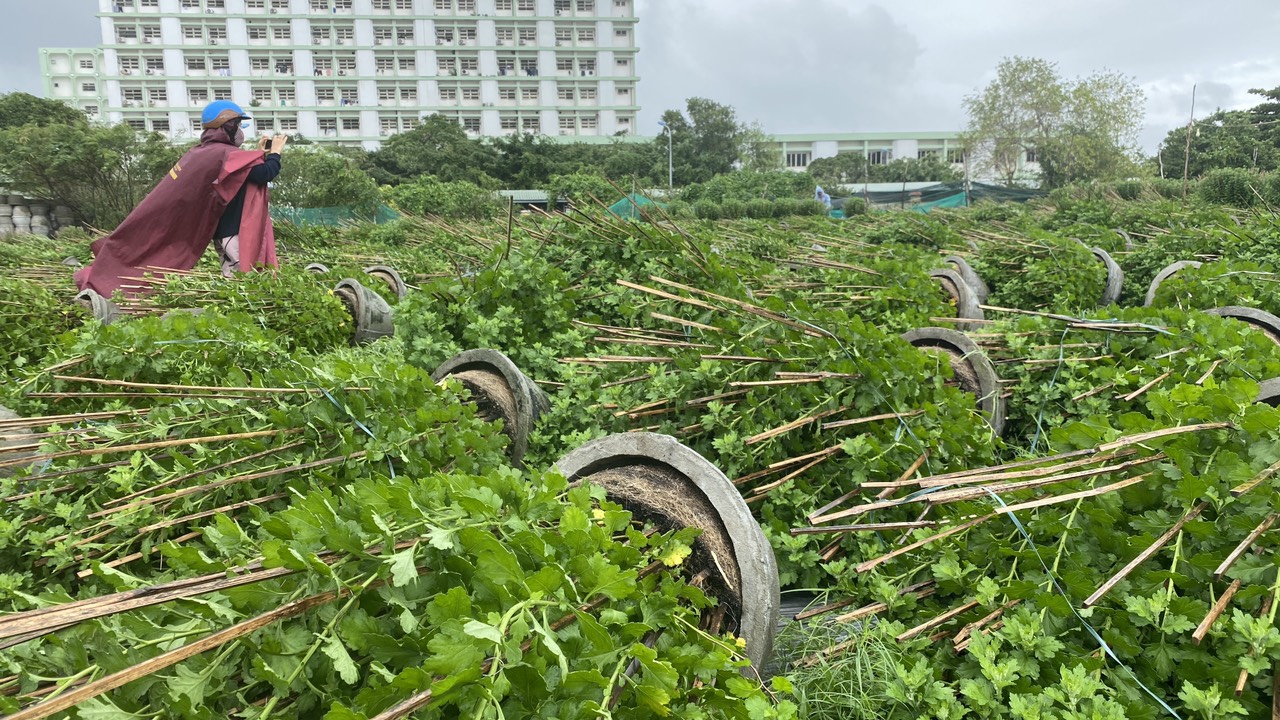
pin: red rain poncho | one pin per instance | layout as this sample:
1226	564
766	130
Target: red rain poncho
175	223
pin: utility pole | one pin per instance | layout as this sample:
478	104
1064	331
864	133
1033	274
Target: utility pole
1186	161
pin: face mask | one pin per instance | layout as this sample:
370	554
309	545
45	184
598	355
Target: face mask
239	138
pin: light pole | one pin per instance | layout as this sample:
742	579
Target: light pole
671	172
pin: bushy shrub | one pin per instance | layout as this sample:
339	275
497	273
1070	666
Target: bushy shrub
1230	186
1170	188
1128	189
706	210
762	209
808	207
1271	189
429	196
733	210
854	206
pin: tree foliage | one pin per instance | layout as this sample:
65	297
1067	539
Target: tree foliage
432	196
852	167
1079	129
706	140
1225	139
18	109
311	177
101	173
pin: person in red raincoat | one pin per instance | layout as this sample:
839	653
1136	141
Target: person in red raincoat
216	192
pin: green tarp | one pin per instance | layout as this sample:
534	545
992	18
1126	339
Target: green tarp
633	206
945	195
331	216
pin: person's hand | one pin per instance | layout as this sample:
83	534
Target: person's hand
278	143
264	142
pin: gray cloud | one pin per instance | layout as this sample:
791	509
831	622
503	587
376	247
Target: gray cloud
42	23
860	66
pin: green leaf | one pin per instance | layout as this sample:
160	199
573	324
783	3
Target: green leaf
342	662
484	631
404	569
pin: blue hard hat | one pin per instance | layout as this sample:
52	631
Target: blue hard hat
218	108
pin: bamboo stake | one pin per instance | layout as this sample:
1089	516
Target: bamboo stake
873	418
159	444
686	323
793	425
1016	474
1260	478
967	630
868	527
173	657
915	466
875	562
1215	612
1133	395
204	388
745	306
204	471
919	590
814	612
935	622
1244	545
1145	555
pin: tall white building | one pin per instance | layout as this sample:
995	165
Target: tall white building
358	71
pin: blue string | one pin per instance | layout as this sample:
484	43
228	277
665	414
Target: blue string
390	468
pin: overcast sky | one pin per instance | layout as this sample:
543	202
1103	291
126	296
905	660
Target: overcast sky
808	66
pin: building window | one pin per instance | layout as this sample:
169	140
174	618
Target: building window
471	93
217	32
1032	156
449	93
90	109
507	93
159	125
470	66
342	5
878	157
407	64
565	93
467	7
567	124
88	64
256	4
589	122
198	95
530	125
524	5
319	5
471	124
388	126
586	6
381	4
139	125
350	123
196	63
191	32
158	95
586	35
262	94
564	65
286	95
328	125
447	66
529	93
404	4
798	159
223	93
504	6
528	36
257	32
281	33
444	5
129	65
926	154
623	66
289	124
89	87
587	93
624	96
564	37
507	122
955	157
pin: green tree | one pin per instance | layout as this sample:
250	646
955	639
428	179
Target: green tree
582	189
312	177
1083	129
1225	139
18	109
758	152
100	172
439	147
848	168
456	199
706	141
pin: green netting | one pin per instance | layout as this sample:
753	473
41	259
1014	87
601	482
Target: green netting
331	216
945	195
632	206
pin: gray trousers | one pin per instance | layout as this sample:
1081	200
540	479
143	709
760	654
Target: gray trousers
229	254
